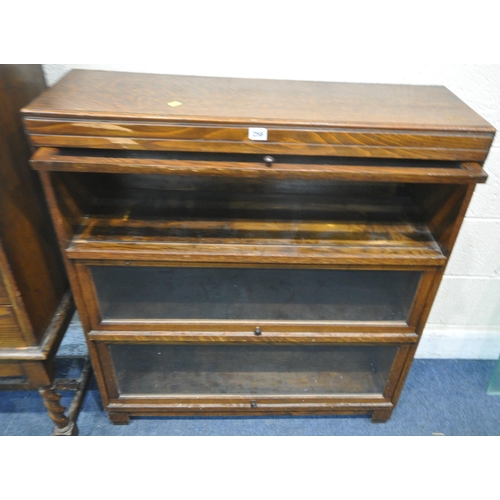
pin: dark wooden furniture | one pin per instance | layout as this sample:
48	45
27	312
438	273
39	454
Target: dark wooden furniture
253	247
35	301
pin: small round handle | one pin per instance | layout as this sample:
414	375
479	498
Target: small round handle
253	404
257	330
268	160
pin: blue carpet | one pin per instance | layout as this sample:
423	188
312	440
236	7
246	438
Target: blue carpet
440	397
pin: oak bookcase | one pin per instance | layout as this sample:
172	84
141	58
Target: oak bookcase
253	247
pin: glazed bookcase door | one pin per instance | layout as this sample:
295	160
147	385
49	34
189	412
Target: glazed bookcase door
166	297
245	378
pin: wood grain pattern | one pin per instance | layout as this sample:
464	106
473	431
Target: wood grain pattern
4	299
7	317
20	332
380	334
329	243
28	239
54	159
242	407
255	254
106	94
65	216
441	206
342	400
400	151
397	367
10	333
50	340
10	370
41	127
131	111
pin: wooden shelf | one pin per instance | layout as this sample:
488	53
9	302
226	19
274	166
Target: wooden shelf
304	242
291	221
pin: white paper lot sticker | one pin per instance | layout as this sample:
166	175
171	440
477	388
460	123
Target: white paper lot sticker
257	134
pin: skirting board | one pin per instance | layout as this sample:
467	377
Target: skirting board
459	342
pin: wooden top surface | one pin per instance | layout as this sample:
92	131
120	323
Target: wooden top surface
136	96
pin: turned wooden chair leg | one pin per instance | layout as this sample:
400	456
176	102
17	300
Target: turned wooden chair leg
64	426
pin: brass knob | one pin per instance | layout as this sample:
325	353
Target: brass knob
257	330
268	160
